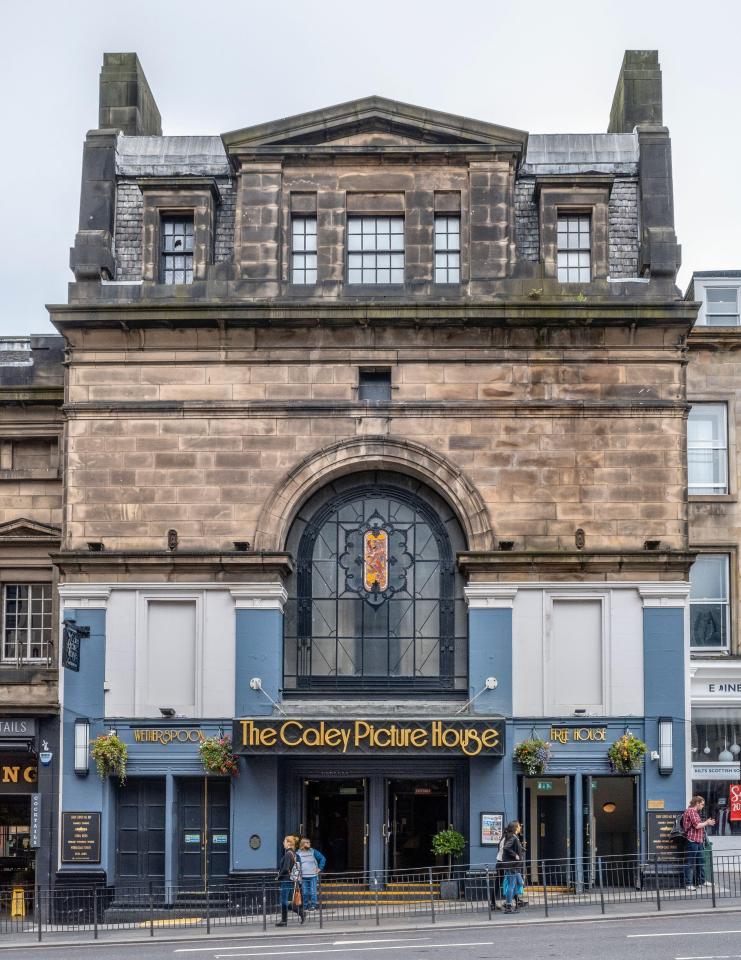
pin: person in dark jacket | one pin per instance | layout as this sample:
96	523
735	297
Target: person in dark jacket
289	876
513	856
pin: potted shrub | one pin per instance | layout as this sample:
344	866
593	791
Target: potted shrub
533	755
218	757
450	844
626	753
110	756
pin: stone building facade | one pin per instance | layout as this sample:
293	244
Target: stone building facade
715	533
374	450
31	431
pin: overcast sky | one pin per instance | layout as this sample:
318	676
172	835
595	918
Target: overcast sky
540	66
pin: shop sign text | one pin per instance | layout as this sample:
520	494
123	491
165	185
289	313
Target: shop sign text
578	734
165	737
80	837
17	727
735	801
17	777
406	737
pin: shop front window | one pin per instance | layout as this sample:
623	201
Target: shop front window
376	601
716	763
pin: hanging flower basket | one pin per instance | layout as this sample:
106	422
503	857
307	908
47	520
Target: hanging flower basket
533	755
217	756
110	756
626	753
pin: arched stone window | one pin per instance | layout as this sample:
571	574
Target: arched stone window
375	602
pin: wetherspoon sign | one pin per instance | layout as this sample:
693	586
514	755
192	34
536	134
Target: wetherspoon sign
466	738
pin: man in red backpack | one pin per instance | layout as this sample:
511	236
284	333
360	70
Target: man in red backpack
694	829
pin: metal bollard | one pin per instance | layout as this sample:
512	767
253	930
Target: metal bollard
432	896
545	887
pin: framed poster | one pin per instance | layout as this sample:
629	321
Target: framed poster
492	828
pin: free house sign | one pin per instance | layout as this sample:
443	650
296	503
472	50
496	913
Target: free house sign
403	737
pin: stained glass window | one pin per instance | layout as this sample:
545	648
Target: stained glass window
375	601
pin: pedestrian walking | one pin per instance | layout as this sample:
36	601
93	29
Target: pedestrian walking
513	856
289	877
312	864
694	851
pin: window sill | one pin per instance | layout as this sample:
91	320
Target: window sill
712	498
721	653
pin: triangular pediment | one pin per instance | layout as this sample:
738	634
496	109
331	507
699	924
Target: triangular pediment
23	529
374	121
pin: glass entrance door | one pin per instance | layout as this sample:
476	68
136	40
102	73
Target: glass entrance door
336	821
546	822
203	832
416	811
611	828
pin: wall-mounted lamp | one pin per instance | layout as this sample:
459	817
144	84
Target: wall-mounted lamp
666	746
167	711
82	747
609	807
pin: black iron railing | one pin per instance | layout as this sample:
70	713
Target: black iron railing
597	885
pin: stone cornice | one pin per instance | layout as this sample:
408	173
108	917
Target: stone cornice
259	596
490	596
407	408
665	594
162	563
543	312
543	564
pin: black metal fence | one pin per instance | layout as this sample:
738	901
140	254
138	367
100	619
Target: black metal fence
552	886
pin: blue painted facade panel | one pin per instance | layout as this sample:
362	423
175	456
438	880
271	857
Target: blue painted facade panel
259	653
490	655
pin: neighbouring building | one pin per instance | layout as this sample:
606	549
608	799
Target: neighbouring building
374	452
714	469
31	425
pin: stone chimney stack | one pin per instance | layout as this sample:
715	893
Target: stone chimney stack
126	102
637	99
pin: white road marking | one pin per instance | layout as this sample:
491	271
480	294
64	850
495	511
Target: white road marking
299	943
715	956
257	946
684	933
301	952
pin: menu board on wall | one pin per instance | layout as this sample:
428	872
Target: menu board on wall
660	824
80	837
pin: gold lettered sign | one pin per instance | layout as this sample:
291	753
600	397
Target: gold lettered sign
17	776
465	738
80	837
578	734
166	737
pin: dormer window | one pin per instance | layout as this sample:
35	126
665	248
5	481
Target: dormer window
721	306
176	249
574	248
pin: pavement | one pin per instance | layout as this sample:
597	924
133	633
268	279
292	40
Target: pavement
688	930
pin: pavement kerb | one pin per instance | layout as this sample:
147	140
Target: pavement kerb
29	942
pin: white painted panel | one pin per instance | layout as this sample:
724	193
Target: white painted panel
575	660
218	655
171	655
120	655
626	654
527	654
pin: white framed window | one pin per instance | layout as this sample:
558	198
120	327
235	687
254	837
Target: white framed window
574	248
303	250
375	250
447	249
709	602
721	307
707	449
27	609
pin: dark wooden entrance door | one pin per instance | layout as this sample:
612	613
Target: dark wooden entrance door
203	832
417	810
140	835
